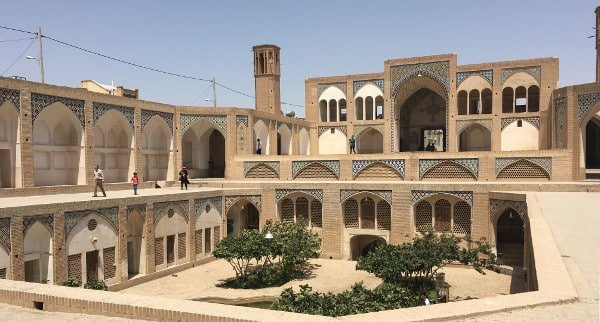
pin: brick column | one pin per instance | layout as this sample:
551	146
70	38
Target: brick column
230	146
480	216
268	210
25	179
176	146
59	247
90	143
149	235
402	217
333	223
496	110
191	236
17	262
314	141
121	260
272	138
138	156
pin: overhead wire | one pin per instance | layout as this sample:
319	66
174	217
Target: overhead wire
18	58
20	39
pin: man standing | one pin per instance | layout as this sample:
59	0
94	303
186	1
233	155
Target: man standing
258	147
99	178
352	145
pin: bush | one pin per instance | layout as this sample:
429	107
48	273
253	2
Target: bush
95	285
71	283
259	262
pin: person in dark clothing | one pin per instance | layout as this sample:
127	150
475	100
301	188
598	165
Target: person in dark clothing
183	177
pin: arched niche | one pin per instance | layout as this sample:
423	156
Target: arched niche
9	125
207	229
475	138
510	238
157	142
37	246
242	215
369	141
332	142
114	145
284	143
303	142
520	135
170	238
203	150
261	132
136	244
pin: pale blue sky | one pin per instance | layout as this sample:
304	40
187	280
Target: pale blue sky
317	38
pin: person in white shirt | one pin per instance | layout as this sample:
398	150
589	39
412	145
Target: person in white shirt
99	179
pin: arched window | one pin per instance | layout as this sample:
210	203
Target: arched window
369	108
287	210
384	214
461	218
333	111
351	214
474	102
533	99
520	100
323	110
507	100
486	101
423	216
442	216
462	103
343	110
379	107
367	213
359	108
302	210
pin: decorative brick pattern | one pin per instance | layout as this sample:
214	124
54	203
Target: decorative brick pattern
286	212
545	163
249	165
522	169
159	253
462	124
281	193
418	195
351	214
323	129
439	71
200	204
148	114
181	243
398	165
3	273
383	194
442	216
423	217
320	172
109	262
5	233
445	168
534	71
232	200
198	241
241	123
384	215
207	241
487	74
302	210
110	214
586	101
316	213
40	101
462	218
519	206
216	235
241	119
357	85
12	96
46	220
535	121
74	267
219	121
160	207
101	108
367	213
323	87
358	129
139	207
560	112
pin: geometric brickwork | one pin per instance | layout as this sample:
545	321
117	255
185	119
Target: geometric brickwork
101	108
5	233
46	220
560	116
443	216
586	101
232	200
345	194
141	208
351	214
73	217
181	242
534	71
519	206
40	101
423	217
357	85
261	169
148	114
281	193
201	203
418	195
449	168
198	241
241	122
531	167
439	71
535	121
159	208
110	268
384	215
323	129
316	213
218	121
12	96
322	87
315	169
74	267
485	74
462	218
461	124
379	167
159	252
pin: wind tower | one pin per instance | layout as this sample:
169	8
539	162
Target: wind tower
267	75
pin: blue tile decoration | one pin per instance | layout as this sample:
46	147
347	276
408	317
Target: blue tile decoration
333	165
323	129
73	217
323	87
348	193
544	162
487	74
418	195
471	164
358	129
519	206
101	108
241	119
11	95
251	164
241	122
560	110
5	233
535	121
232	200
148	114
46	220
534	71
439	71
396	164
40	101
160	207
219	121
200	203
357	85
586	101
282	193
462	124
139	207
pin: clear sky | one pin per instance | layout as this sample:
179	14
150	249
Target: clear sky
317	38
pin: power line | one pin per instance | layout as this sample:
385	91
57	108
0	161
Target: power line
9	40
18	58
141	66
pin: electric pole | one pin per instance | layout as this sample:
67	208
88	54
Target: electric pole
41	54
214	86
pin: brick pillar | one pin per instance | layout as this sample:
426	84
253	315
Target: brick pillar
177	146
272	138
480	216
411	171
402	223
26	142
230	146
295	140
149	235
333	223
121	260
17	262
90	144
268	210
496	110
314	141
138	166
191	235
59	247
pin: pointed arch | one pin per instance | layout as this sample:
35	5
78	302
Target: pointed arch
261	132
303	142
262	171
115	154
37	249
449	169
369	140
136	243
475	137
201	143
9	144
157	142
379	170
284	142
523	168
315	170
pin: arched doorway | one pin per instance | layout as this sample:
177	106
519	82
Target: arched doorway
261	132
242	215
361	245
156	149
369	141
510	238
421	120
592	144
303	142
284	140
38	253
203	150
475	138
136	244
9	120
114	144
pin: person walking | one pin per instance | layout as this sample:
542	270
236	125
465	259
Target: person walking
99	179
258	147
183	177
352	145
135	181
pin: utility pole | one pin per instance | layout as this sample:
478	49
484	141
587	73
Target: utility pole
214	86
41	54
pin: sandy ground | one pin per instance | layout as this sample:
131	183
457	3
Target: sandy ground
17	313
329	275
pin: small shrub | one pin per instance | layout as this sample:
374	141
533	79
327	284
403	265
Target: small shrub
71	283
95	285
